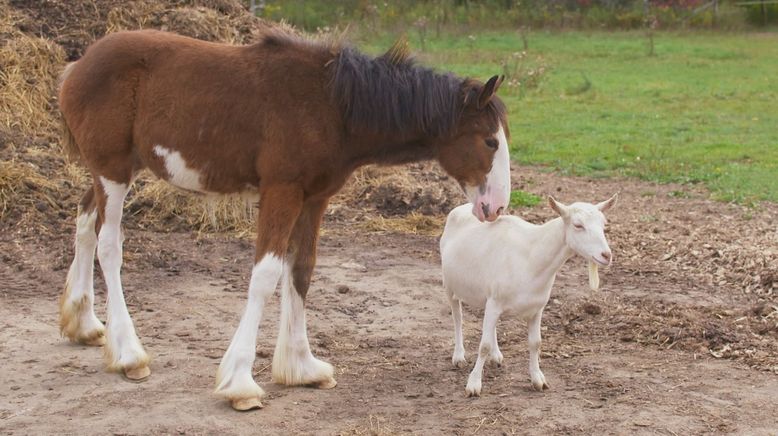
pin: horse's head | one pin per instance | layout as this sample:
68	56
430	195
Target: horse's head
476	155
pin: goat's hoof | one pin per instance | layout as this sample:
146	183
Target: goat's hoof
138	374
326	384
459	363
473	390
245	404
540	386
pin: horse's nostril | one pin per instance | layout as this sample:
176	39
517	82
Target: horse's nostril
499	211
485	209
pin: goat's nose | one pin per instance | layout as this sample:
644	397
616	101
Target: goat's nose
606	255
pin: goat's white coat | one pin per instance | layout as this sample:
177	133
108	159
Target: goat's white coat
510	265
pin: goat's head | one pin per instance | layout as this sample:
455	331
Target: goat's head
585	228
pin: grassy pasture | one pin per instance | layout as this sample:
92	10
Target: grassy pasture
703	109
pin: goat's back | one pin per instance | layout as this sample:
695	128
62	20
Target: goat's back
477	257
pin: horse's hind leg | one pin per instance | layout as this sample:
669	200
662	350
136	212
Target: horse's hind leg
123	350
77	313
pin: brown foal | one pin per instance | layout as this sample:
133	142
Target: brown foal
287	117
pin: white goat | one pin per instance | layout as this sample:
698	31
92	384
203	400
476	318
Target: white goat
510	265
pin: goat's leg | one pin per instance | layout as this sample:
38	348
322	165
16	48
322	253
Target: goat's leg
495	356
279	209
458	359
491	315
293	362
535	374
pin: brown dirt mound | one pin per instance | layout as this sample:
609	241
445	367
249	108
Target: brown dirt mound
75	24
421	188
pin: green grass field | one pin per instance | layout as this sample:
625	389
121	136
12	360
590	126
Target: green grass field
703	109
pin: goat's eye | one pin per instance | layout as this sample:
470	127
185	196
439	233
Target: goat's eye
578	226
492	143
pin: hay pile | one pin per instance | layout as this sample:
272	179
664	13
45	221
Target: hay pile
39	189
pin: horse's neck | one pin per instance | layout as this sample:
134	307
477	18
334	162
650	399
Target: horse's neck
391	149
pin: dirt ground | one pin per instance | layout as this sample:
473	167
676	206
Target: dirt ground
669	345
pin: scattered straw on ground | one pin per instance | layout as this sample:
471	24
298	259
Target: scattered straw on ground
414	223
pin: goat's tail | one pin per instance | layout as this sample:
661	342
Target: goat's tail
68	141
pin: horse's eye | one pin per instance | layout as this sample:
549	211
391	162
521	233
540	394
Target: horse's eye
492	143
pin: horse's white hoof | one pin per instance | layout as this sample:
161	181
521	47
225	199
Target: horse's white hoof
95	339
137	374
326	384
246	404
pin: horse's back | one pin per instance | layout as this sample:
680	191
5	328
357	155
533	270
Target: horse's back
229	112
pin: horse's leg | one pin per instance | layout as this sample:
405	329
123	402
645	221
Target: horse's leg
293	362
123	350
279	207
77	318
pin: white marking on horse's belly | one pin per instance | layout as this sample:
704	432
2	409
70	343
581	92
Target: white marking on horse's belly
180	175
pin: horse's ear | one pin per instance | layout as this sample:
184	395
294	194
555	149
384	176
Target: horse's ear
487	92
399	52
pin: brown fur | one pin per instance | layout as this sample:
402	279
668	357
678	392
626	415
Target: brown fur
68	141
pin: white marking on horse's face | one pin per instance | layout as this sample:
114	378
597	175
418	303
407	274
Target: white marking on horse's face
585	233
178	172
490	200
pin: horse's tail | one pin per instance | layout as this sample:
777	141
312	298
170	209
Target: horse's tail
68	141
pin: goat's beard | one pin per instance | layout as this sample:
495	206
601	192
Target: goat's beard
594	276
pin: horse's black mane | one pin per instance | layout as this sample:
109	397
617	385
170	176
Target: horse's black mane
386	94
391	93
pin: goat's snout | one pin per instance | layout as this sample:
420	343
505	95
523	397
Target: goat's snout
606	255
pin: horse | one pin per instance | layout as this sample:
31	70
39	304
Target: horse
289	118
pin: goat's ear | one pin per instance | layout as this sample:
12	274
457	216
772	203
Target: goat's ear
487	92
560	208
607	204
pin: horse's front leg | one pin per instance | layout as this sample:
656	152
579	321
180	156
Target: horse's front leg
279	209
293	362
